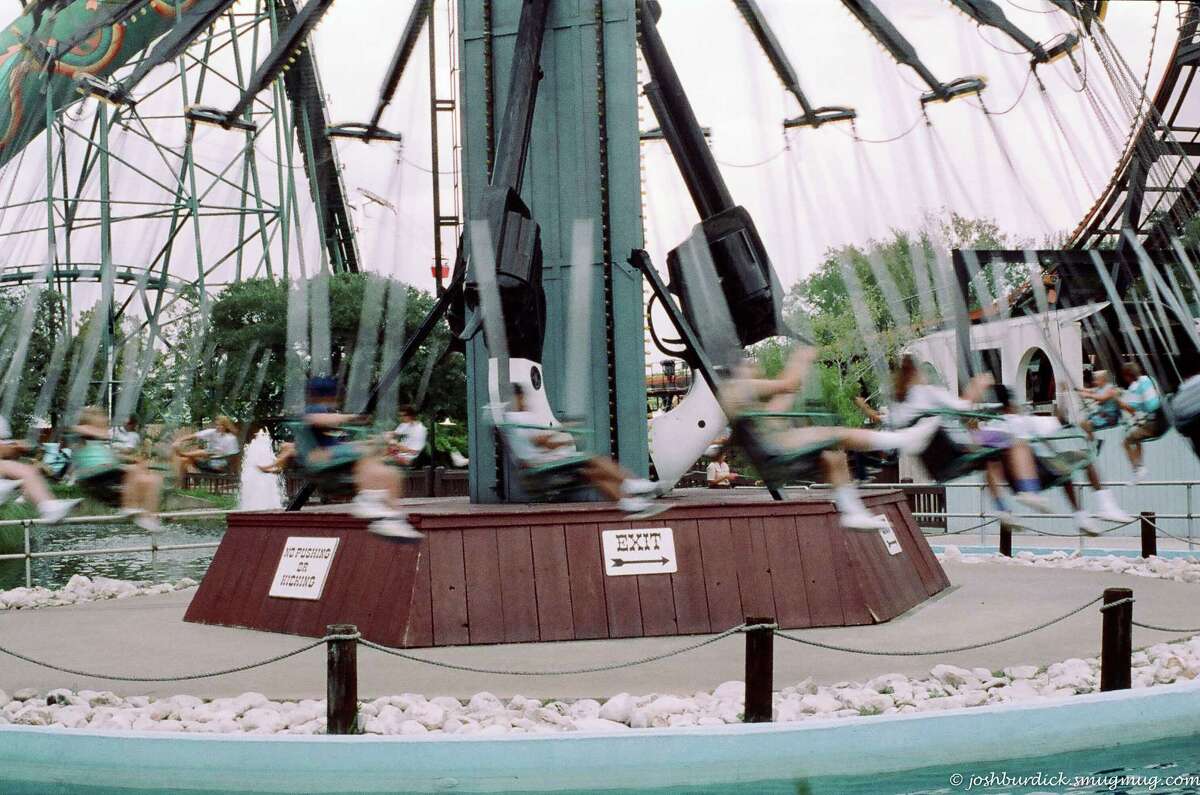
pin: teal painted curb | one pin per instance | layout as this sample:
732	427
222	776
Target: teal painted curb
37	759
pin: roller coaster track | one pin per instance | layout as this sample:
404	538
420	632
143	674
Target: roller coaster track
303	86
1171	132
92	272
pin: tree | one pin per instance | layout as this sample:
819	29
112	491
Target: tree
248	324
824	308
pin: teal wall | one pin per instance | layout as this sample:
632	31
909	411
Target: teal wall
562	184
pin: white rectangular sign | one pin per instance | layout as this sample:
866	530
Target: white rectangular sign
889	537
303	567
639	551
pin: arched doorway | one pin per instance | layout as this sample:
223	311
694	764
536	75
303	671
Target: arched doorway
1037	378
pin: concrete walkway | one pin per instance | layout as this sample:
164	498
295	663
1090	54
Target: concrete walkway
146	636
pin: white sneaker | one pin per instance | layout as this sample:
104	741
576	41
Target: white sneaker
54	511
916	438
372	505
1085	524
638	486
633	504
7	488
1109	511
862	521
148	522
396	528
1035	500
1139	474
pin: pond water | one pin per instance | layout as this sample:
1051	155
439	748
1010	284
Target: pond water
161	566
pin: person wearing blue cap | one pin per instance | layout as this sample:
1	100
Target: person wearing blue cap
379	487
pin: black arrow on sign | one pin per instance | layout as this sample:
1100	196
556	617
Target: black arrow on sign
619	562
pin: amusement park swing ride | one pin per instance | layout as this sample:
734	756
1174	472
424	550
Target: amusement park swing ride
558	149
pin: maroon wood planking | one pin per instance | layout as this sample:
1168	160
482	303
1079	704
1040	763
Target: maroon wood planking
787	572
552	583
753	567
485	614
585	567
448	588
720	574
518	595
369	584
496	574
687	584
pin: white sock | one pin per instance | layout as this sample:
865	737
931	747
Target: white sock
847	500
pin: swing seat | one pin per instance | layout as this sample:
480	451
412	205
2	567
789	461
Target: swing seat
332	476
99	474
1185	410
946	459
1056	464
552	480
776	466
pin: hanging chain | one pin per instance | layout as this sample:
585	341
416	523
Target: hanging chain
606	231
489	88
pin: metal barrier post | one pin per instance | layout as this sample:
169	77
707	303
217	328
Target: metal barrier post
760	671
982	537
28	556
1116	643
341	685
1005	540
1149	534
1191	546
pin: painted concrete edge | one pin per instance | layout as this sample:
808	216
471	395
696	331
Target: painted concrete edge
636	758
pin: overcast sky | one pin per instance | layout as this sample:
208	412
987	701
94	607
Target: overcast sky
808	190
812	188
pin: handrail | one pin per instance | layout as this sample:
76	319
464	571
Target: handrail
199	513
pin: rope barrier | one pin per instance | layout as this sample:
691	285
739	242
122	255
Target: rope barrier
1128	600
952	650
570	671
965	529
183	677
1158	529
1176	630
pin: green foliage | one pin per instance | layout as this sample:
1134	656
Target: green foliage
822	307
215	349
249	319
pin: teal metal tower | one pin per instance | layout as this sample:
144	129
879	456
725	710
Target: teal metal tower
583	165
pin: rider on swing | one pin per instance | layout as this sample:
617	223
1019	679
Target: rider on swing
748	392
535	446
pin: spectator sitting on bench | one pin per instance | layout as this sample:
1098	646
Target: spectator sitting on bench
718	474
126	439
220	443
407	442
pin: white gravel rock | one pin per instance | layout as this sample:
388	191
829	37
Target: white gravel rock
600	725
412	727
619	708
81	588
730	691
664	706
263	719
819	703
